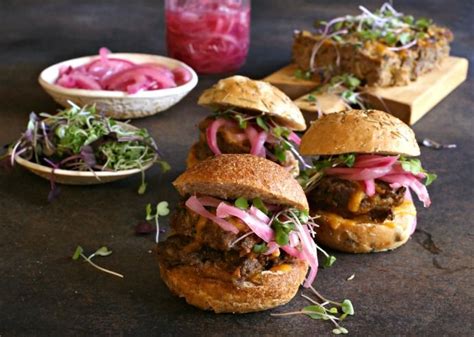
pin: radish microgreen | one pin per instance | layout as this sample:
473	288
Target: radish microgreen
241	203
325	309
160	210
102	251
82	139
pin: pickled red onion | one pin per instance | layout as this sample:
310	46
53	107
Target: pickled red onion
259	214
107	73
359	173
409	198
368	160
369	187
412	182
294	138
196	206
370	167
211	133
294	240
257	141
310	253
261	229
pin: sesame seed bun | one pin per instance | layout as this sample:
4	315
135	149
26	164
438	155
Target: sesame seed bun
353	236
359	131
267	290
230	176
242	92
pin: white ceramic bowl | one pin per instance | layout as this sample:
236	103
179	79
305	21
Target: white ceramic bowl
118	104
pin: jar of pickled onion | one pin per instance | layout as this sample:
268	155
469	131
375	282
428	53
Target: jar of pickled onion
212	36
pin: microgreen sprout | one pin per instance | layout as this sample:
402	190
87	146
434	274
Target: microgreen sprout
258	203
302	75
413	165
102	251
81	139
325	309
161	210
241	203
309	178
385	25
347	86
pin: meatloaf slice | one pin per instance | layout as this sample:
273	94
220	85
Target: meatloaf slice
372	61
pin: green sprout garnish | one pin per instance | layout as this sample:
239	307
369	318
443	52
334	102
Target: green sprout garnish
260	248
302	75
413	165
261	122
102	251
258	203
310	177
160	210
347	86
241	203
82	139
329	261
325	309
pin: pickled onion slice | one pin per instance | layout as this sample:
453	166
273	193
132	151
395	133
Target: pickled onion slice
257	141
124	78
259	214
301	244
108	73
261	229
294	138
211	133
196	206
386	168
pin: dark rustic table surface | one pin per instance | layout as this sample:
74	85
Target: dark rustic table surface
423	288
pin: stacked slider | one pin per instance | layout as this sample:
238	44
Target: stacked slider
249	117
241	239
361	181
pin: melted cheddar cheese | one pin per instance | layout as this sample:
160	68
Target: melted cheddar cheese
356	198
282	267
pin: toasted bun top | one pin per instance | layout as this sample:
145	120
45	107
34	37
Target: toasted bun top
242	92
230	176
359	131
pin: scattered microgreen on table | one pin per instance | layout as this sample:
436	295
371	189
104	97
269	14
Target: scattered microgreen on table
160	210
325	309
102	251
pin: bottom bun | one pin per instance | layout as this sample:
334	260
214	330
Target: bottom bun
270	288
353	236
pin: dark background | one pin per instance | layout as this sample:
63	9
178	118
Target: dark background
423	288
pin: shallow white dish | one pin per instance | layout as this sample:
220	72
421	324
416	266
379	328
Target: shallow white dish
118	104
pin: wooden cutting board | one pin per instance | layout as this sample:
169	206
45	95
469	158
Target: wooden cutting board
409	103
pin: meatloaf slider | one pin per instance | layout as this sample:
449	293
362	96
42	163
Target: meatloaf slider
249	117
241	239
359	186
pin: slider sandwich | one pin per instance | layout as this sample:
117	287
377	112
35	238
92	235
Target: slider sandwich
249	117
360	185
241	239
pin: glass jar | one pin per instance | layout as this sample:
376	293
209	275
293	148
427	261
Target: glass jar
212	36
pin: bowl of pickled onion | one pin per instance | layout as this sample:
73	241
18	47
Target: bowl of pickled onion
122	85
